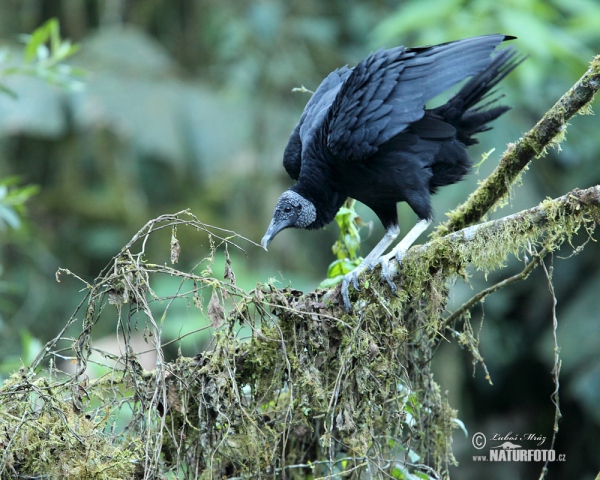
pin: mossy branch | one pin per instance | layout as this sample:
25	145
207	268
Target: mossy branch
547	132
308	389
486	246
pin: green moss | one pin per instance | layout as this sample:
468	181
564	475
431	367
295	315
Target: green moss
550	131
47	438
311	390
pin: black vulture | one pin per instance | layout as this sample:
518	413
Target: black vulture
367	134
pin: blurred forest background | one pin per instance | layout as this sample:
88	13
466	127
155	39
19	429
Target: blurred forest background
188	104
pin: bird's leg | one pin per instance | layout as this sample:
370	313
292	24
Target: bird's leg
399	251
369	261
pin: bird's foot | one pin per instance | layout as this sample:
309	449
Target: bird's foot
351	278
384	263
386	271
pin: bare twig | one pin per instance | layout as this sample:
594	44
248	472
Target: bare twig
555	369
522	275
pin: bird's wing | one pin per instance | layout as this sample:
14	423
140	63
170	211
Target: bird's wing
292	155
388	90
317	105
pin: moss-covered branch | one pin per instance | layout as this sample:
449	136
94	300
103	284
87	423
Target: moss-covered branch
486	246
292	386
308	390
547	132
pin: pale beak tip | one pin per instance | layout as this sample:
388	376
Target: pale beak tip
265	242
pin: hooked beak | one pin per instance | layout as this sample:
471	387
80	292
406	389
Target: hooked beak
274	229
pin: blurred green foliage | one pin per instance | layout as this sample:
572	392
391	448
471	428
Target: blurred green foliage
189	104
12	202
43	57
45	62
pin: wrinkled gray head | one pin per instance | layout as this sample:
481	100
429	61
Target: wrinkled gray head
292	210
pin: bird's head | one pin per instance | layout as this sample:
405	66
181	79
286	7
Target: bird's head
292	210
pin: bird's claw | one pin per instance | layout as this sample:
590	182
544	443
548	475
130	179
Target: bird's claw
385	274
351	277
399	257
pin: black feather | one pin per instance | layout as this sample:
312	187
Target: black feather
322	98
366	134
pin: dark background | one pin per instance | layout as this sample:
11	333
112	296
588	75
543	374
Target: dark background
188	104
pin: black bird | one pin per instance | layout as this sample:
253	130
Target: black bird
366	134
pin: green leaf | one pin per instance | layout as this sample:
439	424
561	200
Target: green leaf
18	196
340	267
38	39
8	181
44	52
331	282
347	246
12	201
9	217
54	33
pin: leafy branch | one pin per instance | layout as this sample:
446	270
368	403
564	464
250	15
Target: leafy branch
347	246
43	57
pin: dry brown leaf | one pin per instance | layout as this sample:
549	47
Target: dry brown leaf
175	247
229	275
216	312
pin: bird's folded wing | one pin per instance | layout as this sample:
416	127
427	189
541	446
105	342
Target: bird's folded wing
388	90
317	105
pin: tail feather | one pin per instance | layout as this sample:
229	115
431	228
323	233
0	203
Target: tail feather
461	111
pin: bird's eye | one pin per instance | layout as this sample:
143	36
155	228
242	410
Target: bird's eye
287	209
